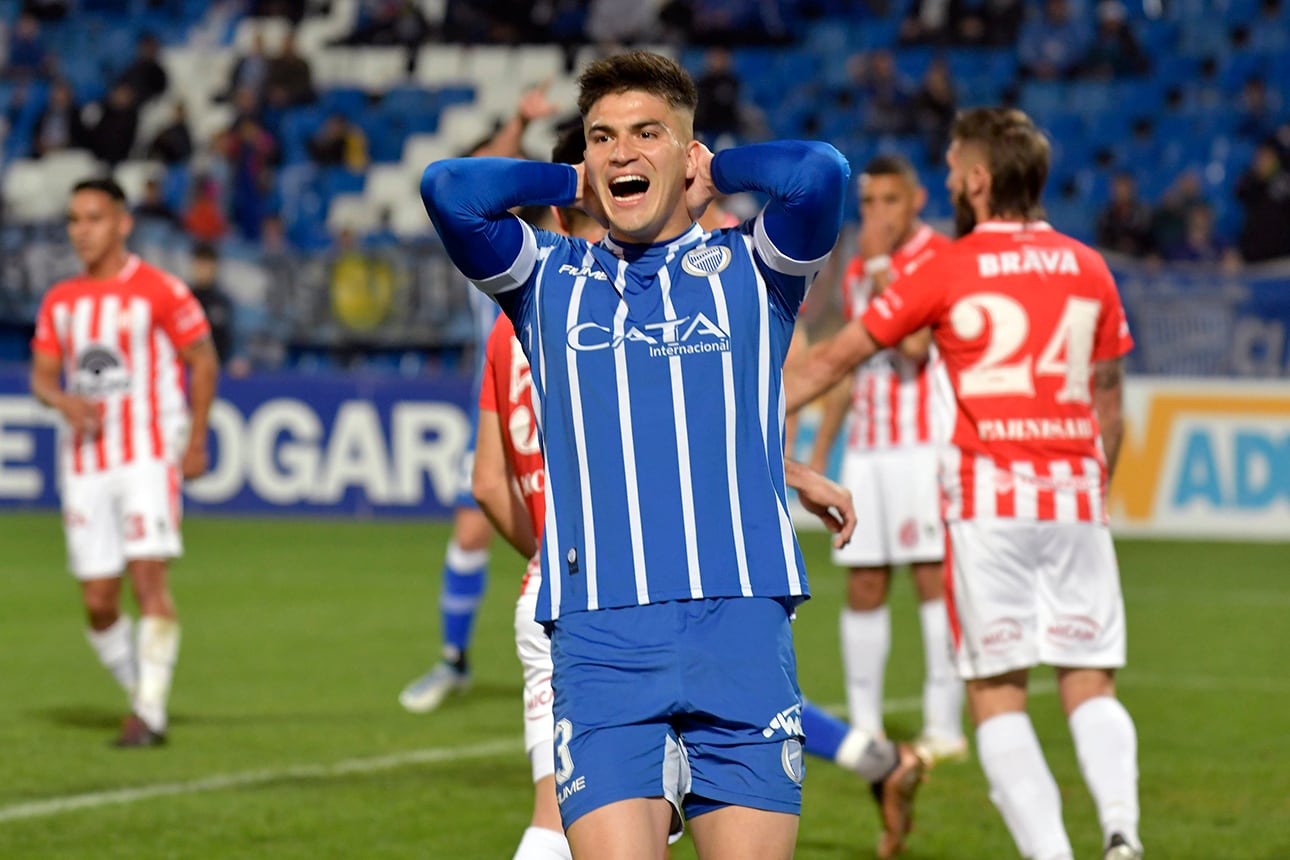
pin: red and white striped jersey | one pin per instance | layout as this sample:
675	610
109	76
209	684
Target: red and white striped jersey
1020	313
119	339
507	391
893	398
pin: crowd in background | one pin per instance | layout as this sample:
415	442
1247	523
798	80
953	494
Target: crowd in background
235	194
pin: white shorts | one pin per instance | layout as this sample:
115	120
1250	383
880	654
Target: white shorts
898	507
534	649
126	513
1021	593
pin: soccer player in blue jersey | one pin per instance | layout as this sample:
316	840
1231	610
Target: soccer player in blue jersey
670	566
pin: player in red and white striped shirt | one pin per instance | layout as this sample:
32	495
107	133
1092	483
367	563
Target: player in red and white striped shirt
890	468
1032	332
119	336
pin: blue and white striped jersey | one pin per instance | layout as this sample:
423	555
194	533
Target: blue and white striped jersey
658	371
657	375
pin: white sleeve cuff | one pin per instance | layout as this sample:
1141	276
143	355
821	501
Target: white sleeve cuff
518	274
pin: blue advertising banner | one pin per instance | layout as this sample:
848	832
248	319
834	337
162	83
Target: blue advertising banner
337	445
1207	320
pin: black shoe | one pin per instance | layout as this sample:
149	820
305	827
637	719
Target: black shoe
136	733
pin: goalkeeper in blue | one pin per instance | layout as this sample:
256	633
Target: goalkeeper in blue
670	569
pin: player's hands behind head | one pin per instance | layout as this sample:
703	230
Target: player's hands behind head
586	198
700	191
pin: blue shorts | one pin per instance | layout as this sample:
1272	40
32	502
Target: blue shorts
695	701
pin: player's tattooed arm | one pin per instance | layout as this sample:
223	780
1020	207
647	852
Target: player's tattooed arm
825	363
1108	396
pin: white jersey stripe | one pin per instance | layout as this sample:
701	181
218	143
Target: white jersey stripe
731	421
110	320
629	448
1093	472
550	530
1065	507
1027	491
140	319
82	311
772	431
984	484
580	443
682	448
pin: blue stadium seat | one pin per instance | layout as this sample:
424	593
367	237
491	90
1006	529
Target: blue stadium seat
347	101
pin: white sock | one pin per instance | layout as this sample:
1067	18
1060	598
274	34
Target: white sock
866	639
1022	786
942	689
538	843
872	758
158	650
1107	746
115	648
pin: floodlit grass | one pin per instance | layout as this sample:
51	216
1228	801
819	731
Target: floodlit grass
287	740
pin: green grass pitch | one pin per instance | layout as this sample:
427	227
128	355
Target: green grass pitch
287	740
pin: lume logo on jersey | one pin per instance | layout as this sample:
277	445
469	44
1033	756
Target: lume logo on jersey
100	371
689	335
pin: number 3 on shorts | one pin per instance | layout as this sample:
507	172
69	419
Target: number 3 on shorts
564	761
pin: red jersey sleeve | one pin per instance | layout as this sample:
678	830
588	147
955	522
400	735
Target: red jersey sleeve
1112	339
850	287
909	303
46	338
180	315
498	339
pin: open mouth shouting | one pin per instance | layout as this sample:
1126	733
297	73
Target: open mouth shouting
629	188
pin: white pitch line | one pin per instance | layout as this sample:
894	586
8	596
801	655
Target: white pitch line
71	802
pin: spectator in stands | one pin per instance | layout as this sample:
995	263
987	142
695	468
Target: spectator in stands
289	80
111	135
391	22
719	86
1264	191
934	108
251	70
994	23
1199	244
144	75
154	208
1124	226
205	219
174	143
27	55
1114	51
887	98
292	10
963	22
250	153
1051	44
1257	111
362	286
59	124
1169	220
203	278
339	143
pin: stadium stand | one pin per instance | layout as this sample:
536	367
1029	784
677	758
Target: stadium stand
1191	113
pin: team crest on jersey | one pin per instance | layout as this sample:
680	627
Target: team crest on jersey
790	756
703	262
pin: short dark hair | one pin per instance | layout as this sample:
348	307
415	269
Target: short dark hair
570	145
891	164
637	70
205	251
1017	154
104	185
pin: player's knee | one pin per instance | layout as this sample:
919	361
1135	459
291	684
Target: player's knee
867	588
